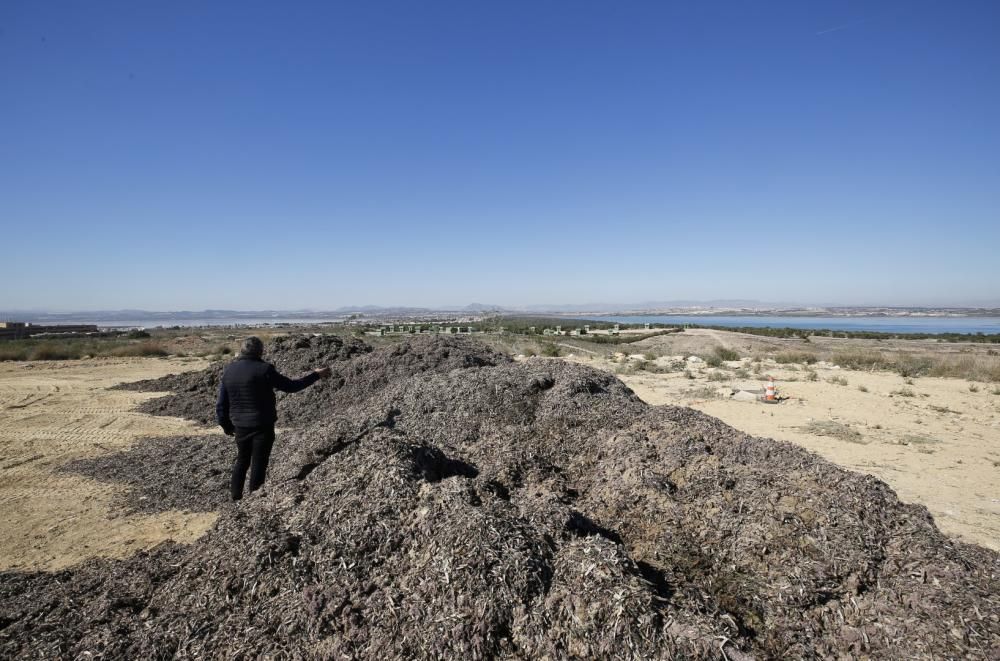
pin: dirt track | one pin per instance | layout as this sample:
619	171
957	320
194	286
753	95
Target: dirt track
54	413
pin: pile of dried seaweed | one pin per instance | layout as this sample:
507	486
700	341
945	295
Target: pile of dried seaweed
195	393
447	502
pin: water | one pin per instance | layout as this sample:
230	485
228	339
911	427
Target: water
986	325
187	322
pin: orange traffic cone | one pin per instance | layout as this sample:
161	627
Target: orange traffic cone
769	395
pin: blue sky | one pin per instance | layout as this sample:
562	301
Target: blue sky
185	155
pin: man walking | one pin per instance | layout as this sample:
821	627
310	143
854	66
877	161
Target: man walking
246	409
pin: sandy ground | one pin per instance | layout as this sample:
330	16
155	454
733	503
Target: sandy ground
54	413
936	441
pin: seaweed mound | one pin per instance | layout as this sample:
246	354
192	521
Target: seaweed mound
194	393
448	502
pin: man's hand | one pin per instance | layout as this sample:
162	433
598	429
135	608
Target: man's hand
324	372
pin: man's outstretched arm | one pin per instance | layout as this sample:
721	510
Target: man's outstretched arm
281	382
222	411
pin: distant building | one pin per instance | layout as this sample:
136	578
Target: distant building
15	330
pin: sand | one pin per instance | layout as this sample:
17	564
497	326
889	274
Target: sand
52	413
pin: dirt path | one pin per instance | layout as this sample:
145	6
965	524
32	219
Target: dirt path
936	441
54	413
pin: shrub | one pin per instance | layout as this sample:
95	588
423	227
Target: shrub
137	334
718	376
786	357
811	375
550	350
973	387
862	388
56	352
14	352
712	360
725	353
838	380
904	392
139	350
909	365
860	360
834	430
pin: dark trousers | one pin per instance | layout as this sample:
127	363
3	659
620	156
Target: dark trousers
253	450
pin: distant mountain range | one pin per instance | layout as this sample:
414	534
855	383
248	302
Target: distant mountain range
720	306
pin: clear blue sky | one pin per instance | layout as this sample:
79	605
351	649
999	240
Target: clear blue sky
184	155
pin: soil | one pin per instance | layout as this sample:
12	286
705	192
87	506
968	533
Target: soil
445	501
53	413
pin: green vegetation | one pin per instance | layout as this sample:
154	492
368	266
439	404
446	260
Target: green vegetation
550	350
621	339
801	333
725	353
861	360
74	349
787	357
712	360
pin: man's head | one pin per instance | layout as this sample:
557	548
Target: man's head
252	346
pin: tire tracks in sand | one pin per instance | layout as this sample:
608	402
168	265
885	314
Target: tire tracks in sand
52	413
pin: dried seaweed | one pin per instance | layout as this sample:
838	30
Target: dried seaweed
447	502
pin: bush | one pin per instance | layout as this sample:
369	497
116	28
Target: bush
140	349
863	388
725	353
14	352
861	360
838	380
786	357
909	365
550	350
56	352
718	376
137	334
712	360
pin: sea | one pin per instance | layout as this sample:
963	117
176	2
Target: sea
968	325
163	322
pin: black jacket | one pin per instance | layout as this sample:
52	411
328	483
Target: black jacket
246	393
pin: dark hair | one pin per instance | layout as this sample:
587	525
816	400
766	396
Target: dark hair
252	346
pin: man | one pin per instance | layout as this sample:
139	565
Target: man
246	409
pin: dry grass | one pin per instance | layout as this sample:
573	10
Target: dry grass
802	357
833	429
971	367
